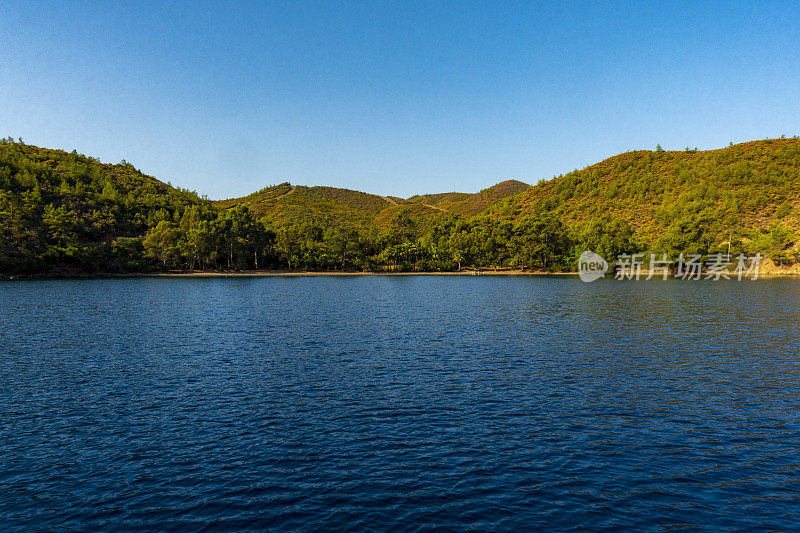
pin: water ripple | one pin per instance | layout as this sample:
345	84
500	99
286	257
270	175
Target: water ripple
403	404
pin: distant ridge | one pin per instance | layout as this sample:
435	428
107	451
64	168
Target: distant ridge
274	200
288	202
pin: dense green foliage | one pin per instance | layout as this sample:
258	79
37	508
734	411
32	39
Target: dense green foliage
685	201
64	213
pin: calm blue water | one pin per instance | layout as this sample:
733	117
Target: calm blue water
399	403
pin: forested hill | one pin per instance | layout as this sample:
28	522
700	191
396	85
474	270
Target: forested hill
470	204
686	200
296	204
64	213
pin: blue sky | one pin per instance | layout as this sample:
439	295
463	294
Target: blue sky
392	97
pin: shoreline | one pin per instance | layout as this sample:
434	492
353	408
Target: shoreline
309	273
273	273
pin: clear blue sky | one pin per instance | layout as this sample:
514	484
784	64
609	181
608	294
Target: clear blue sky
392	97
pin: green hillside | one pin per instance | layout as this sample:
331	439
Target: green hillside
422	215
65	210
65	213
479	202
290	204
296	204
437	199
259	197
466	204
685	200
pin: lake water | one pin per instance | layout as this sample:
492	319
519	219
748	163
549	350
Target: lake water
399	403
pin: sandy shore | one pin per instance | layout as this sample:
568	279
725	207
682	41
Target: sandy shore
768	274
293	273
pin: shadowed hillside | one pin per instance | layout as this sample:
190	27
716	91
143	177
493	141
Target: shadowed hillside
65	211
